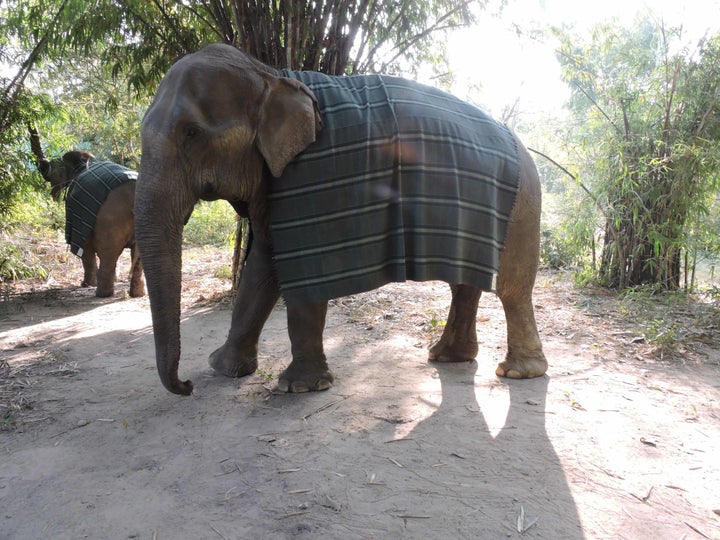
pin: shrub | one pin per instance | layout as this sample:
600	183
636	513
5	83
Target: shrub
16	260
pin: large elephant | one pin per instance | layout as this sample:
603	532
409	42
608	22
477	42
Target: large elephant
99	218
349	183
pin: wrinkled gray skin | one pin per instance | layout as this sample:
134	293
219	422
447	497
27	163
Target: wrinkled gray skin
114	226
221	126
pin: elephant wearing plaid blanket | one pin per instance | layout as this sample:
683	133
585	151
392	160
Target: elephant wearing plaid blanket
99	219
349	183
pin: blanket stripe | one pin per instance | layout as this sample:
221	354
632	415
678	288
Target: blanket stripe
405	182
86	195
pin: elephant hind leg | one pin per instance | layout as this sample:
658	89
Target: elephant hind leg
90	267
106	273
525	358
308	370
137	283
516	278
458	342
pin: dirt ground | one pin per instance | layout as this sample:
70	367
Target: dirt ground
621	439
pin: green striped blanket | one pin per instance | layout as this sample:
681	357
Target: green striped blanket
86	195
405	182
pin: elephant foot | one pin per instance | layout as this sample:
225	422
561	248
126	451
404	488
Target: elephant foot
522	368
88	283
303	378
231	362
454	352
136	292
104	292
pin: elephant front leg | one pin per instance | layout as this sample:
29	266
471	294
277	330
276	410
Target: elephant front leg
458	342
308	369
257	295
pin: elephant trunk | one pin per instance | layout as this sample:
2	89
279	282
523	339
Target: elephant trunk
159	220
42	163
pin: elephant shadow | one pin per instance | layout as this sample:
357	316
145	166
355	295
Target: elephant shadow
21	309
505	477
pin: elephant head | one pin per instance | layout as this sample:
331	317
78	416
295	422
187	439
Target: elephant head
61	172
221	123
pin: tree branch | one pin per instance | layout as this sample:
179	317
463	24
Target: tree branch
574	177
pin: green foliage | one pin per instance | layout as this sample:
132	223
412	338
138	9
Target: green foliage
16	110
331	36
223	272
557	251
646	126
16	260
211	223
568	231
76	62
96	113
143	39
33	216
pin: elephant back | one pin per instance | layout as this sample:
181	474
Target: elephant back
86	195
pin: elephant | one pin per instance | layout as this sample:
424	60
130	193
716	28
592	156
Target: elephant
348	183
99	217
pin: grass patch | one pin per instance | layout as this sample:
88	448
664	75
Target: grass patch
223	272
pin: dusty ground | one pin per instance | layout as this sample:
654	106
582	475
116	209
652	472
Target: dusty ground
620	440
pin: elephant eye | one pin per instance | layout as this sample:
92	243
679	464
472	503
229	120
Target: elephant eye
190	136
191	131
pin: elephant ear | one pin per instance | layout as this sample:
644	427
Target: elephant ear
289	121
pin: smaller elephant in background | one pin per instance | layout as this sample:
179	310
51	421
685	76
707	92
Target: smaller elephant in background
99	217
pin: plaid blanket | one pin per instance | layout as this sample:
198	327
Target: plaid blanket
405	182
86	195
